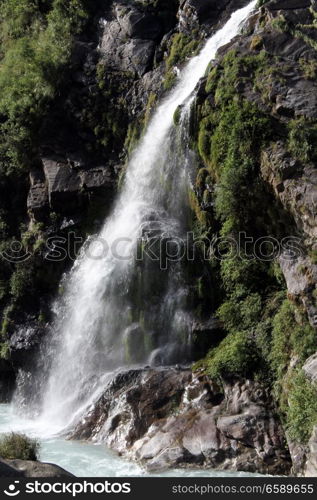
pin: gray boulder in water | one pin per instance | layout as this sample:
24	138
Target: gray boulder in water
27	468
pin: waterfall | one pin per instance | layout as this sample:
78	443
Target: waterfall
116	310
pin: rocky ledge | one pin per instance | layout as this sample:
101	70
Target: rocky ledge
27	468
164	418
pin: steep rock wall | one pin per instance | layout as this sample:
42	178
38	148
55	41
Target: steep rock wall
255	126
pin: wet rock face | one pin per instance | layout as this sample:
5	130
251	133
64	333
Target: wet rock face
171	417
25	342
7	381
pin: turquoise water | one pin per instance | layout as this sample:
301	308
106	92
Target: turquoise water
85	459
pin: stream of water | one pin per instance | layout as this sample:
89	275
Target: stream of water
109	316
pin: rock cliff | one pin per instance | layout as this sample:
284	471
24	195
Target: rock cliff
174	418
66	137
255	132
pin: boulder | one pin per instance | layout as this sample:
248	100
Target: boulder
63	185
300	274
137	56
171	417
205	14
66	185
134	55
204	7
209	11
26	468
282	45
129	40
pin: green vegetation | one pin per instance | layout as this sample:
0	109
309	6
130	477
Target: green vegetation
311	41
266	333
302	141
235	356
213	137
309	68
170	79
104	110
182	47
301	411
4	350
177	115
21	281
18	447
279	23
32	238
256	42
291	336
293	339
136	128
150	106
36	38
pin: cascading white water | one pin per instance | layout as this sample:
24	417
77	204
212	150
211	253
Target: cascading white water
96	318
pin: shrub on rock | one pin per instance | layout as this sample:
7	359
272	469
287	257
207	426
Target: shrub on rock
16	446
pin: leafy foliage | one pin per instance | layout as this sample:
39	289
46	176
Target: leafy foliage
18	447
37	38
182	47
235	356
302	139
4	350
21	281
301	413
290	338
